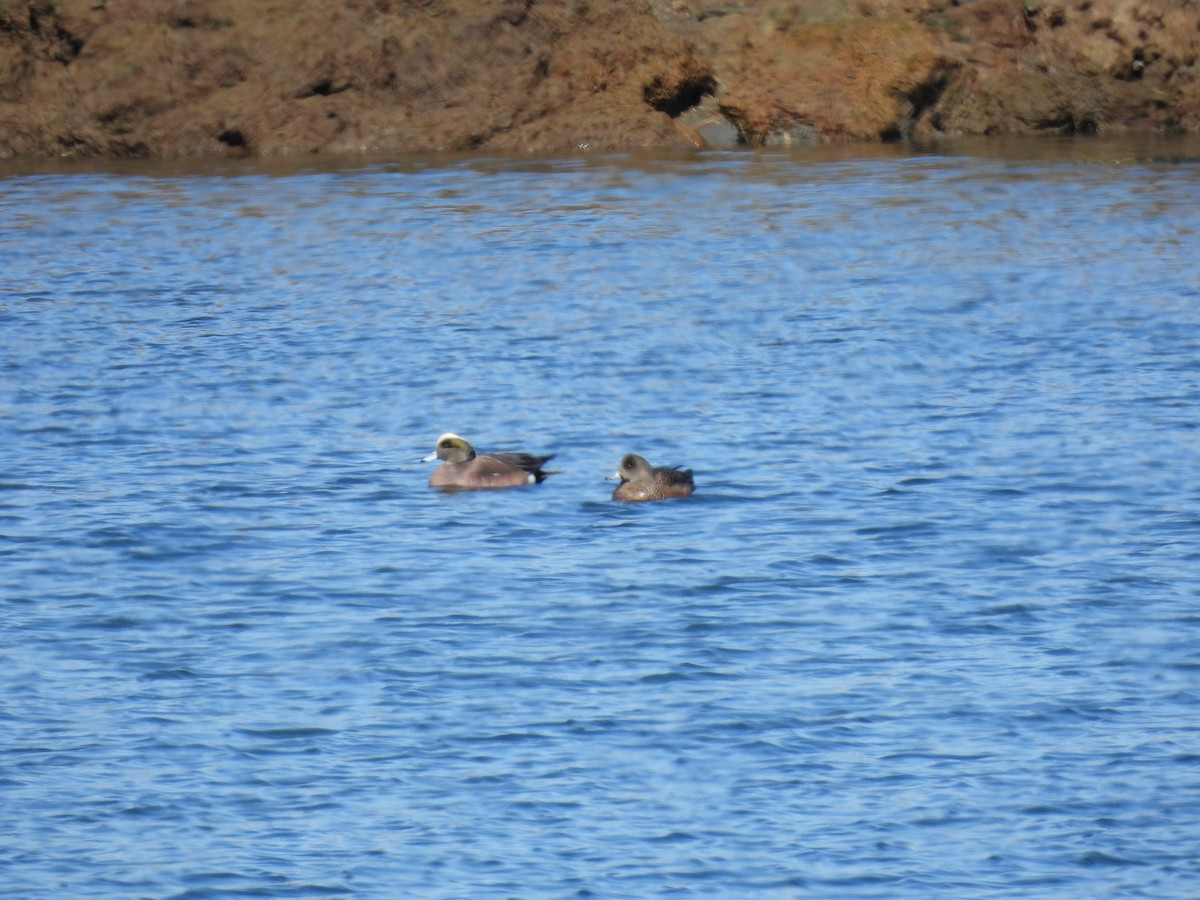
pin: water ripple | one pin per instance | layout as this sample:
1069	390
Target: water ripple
927	626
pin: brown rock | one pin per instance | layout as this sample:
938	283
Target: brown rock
263	77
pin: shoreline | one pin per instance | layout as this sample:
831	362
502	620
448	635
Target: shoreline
222	79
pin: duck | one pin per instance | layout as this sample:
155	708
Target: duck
641	482
463	469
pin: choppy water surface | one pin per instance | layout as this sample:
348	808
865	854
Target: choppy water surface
930	625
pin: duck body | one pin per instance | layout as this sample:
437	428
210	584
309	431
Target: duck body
641	482
463	469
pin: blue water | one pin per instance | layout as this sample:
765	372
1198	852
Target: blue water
930	625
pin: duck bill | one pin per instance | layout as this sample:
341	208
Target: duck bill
430	458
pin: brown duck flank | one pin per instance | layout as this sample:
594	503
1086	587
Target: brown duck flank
642	482
463	469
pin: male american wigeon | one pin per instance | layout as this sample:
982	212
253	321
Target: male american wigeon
640	481
462	469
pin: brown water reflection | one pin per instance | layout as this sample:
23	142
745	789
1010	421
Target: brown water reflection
1098	149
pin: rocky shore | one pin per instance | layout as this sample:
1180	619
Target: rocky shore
177	78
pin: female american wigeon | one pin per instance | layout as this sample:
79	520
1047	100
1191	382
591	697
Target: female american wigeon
462	469
640	481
